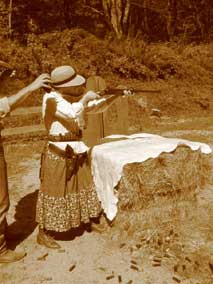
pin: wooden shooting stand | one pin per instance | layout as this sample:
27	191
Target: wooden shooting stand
111	118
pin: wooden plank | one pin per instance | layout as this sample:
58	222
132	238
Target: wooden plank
115	118
93	133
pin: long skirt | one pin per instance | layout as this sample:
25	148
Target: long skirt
65	201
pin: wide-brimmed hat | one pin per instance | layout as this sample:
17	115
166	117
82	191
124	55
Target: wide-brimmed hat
66	76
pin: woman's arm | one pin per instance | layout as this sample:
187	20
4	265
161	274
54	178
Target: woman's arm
42	81
69	115
75	109
60	111
89	96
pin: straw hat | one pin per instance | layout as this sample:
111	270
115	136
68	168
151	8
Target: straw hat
66	76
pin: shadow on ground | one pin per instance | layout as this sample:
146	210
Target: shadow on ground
25	223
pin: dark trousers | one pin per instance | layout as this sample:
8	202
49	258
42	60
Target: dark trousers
4	199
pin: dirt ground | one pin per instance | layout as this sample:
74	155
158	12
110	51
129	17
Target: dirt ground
98	258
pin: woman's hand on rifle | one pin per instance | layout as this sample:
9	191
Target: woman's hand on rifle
89	96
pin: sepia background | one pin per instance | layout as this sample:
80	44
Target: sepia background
163	45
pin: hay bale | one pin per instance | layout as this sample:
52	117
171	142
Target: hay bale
207	167
170	176
158	190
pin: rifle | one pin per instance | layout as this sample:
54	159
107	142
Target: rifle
98	85
125	91
108	95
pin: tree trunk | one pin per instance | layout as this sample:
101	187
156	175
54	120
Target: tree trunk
117	13
3	19
203	25
66	12
145	19
126	13
10	9
172	18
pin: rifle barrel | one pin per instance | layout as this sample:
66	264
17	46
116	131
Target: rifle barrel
118	91
146	91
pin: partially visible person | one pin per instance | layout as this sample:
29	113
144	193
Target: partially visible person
67	196
6	105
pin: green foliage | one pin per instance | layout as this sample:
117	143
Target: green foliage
201	54
163	60
184	72
90	55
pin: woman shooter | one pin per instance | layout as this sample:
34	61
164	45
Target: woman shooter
67	196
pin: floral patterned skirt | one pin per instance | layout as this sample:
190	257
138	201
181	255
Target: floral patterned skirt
64	203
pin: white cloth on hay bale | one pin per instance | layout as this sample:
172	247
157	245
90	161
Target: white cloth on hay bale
108	160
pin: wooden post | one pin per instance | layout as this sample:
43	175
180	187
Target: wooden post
112	121
115	119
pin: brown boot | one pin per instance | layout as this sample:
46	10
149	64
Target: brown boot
100	226
10	256
46	240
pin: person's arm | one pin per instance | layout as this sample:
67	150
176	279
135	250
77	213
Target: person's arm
89	96
4	107
67	115
75	108
41	81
